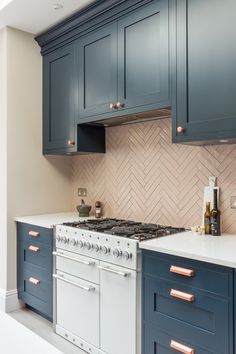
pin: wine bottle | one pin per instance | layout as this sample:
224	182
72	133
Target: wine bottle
215	217
207	219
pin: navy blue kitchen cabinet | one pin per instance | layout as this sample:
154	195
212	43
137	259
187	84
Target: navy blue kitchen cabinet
97	72
204	72
61	134
60	91
34	268
124	67
191	311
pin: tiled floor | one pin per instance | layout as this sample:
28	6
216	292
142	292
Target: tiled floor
43	328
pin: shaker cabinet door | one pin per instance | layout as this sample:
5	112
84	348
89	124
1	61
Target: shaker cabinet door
60	95
205	90
97	72
143	63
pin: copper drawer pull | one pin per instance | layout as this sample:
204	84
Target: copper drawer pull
34	281
34	233
183	296
34	249
181	348
182	271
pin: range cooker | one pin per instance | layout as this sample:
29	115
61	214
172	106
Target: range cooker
97	283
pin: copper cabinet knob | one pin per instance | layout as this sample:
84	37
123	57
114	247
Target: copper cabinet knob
180	130
113	106
120	105
70	142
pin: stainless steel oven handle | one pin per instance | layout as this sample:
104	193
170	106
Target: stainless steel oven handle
108	269
90	288
72	258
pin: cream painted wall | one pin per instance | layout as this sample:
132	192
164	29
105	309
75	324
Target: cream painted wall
3	158
35	184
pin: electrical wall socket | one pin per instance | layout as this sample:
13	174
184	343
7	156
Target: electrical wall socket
233	202
82	192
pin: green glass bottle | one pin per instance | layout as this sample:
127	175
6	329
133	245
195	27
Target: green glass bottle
215	217
207	219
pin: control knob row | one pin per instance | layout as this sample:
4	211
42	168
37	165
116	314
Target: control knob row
63	239
118	253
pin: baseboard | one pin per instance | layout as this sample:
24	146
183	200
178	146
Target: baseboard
9	301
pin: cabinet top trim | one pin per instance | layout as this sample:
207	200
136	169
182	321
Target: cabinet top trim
95	14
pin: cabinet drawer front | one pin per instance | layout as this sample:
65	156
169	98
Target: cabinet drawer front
157	342
209	277
37	285
34	233
77	265
37	254
205	320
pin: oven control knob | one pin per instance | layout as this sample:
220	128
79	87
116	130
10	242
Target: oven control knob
89	245
127	254
96	247
81	243
65	239
105	249
58	238
117	252
75	242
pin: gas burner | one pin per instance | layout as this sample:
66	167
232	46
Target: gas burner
126	228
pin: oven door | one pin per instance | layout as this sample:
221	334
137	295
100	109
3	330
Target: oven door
118	304
78	307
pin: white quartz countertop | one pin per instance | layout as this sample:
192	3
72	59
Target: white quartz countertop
212	249
49	220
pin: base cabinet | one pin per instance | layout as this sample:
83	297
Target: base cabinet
34	267
182	313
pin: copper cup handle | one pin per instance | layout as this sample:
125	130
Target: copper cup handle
181	348
34	233
34	281
33	249
182	271
181	295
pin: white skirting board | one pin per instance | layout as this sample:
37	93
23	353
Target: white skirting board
9	301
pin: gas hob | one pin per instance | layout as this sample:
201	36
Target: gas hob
126	228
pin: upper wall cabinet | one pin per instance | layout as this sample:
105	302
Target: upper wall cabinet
124	67
204	82
143	65
97	71
59	100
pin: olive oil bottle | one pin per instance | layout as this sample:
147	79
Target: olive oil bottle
207	219
215	217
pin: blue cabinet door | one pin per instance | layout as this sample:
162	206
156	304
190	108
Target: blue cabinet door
143	58
97	68
204	56
60	91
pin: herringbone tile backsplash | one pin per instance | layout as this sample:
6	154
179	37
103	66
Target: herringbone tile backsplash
143	176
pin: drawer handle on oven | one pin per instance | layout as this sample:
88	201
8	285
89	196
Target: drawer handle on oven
34	281
183	296
181	348
72	258
108	269
182	271
90	288
34	249
34	233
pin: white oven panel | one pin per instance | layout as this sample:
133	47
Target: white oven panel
113	249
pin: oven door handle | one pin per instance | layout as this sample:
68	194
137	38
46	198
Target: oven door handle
72	258
110	270
89	288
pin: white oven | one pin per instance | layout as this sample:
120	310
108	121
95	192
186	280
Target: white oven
96	303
